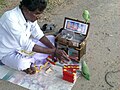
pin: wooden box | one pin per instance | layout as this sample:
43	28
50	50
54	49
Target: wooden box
73	38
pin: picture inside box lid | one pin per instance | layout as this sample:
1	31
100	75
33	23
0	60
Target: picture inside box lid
76	26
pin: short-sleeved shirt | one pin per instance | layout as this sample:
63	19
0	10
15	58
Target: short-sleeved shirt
16	32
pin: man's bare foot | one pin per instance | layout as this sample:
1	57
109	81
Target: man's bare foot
30	70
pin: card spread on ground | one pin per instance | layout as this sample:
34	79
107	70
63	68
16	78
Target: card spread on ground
44	80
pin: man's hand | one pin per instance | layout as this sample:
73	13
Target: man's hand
62	56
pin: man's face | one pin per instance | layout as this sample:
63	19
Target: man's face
34	15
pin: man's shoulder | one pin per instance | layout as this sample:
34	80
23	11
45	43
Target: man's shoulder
11	14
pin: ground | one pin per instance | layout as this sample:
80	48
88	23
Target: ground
103	44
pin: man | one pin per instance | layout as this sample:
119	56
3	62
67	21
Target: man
19	30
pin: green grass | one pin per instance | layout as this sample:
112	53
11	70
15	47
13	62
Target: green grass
1	2
2	5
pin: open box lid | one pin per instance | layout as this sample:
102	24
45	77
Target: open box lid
76	26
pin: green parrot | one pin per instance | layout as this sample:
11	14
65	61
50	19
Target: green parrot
85	70
86	15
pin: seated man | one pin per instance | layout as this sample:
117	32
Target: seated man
19	30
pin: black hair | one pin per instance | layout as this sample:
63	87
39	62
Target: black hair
33	5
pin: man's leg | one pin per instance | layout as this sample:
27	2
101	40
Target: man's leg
17	61
20	62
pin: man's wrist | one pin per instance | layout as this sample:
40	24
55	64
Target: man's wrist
55	52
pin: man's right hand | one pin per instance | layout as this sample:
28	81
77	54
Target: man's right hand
62	56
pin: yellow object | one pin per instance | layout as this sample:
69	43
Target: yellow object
38	69
28	53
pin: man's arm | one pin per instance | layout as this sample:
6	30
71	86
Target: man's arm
46	42
44	50
60	54
50	50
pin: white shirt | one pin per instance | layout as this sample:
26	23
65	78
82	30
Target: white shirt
15	32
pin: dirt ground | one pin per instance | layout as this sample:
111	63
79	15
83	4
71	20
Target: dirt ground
103	44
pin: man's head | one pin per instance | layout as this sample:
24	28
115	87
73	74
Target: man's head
33	8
